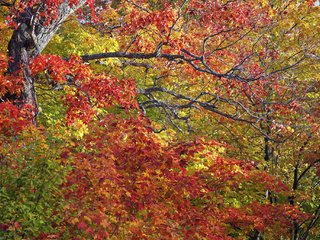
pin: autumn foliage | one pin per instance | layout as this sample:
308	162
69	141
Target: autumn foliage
159	120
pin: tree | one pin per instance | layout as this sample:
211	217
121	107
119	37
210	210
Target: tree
248	67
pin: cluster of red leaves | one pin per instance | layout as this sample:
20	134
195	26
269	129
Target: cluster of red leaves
8	84
97	91
257	216
161	19
53	65
13	119
109	91
90	91
235	13
126	182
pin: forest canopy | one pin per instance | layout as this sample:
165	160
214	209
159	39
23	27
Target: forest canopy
159	119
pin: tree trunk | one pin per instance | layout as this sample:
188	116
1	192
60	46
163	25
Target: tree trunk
27	41
21	50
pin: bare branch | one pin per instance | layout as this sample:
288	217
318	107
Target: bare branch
138	6
7	3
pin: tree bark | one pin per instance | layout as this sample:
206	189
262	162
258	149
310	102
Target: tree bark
28	41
